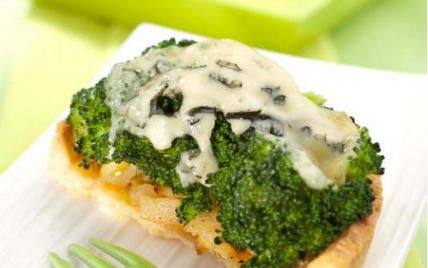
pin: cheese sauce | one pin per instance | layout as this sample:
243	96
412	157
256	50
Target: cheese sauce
251	90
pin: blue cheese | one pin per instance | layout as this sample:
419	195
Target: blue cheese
227	76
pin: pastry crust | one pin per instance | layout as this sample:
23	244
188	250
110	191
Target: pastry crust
154	208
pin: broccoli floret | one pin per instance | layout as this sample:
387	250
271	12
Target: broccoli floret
197	199
90	116
262	199
91	121
223	141
367	159
169	43
158	165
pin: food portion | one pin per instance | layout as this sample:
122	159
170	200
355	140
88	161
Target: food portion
213	143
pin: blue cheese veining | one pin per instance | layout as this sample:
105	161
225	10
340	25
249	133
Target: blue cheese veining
252	91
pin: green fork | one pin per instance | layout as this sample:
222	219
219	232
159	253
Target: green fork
127	258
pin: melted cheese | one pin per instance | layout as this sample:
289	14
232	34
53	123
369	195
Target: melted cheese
230	77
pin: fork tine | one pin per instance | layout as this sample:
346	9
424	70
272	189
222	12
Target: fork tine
122	255
89	258
58	262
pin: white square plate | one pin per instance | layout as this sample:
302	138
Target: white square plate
37	216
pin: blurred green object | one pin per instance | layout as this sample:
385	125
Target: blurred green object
124	256
280	25
388	35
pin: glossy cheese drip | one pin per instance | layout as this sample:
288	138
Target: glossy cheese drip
230	77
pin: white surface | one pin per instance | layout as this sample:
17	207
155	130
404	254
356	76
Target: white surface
37	216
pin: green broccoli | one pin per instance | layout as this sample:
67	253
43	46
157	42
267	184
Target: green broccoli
261	198
169	43
197	198
91	121
90	116
367	159
158	165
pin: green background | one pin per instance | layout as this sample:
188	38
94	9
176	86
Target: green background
47	53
